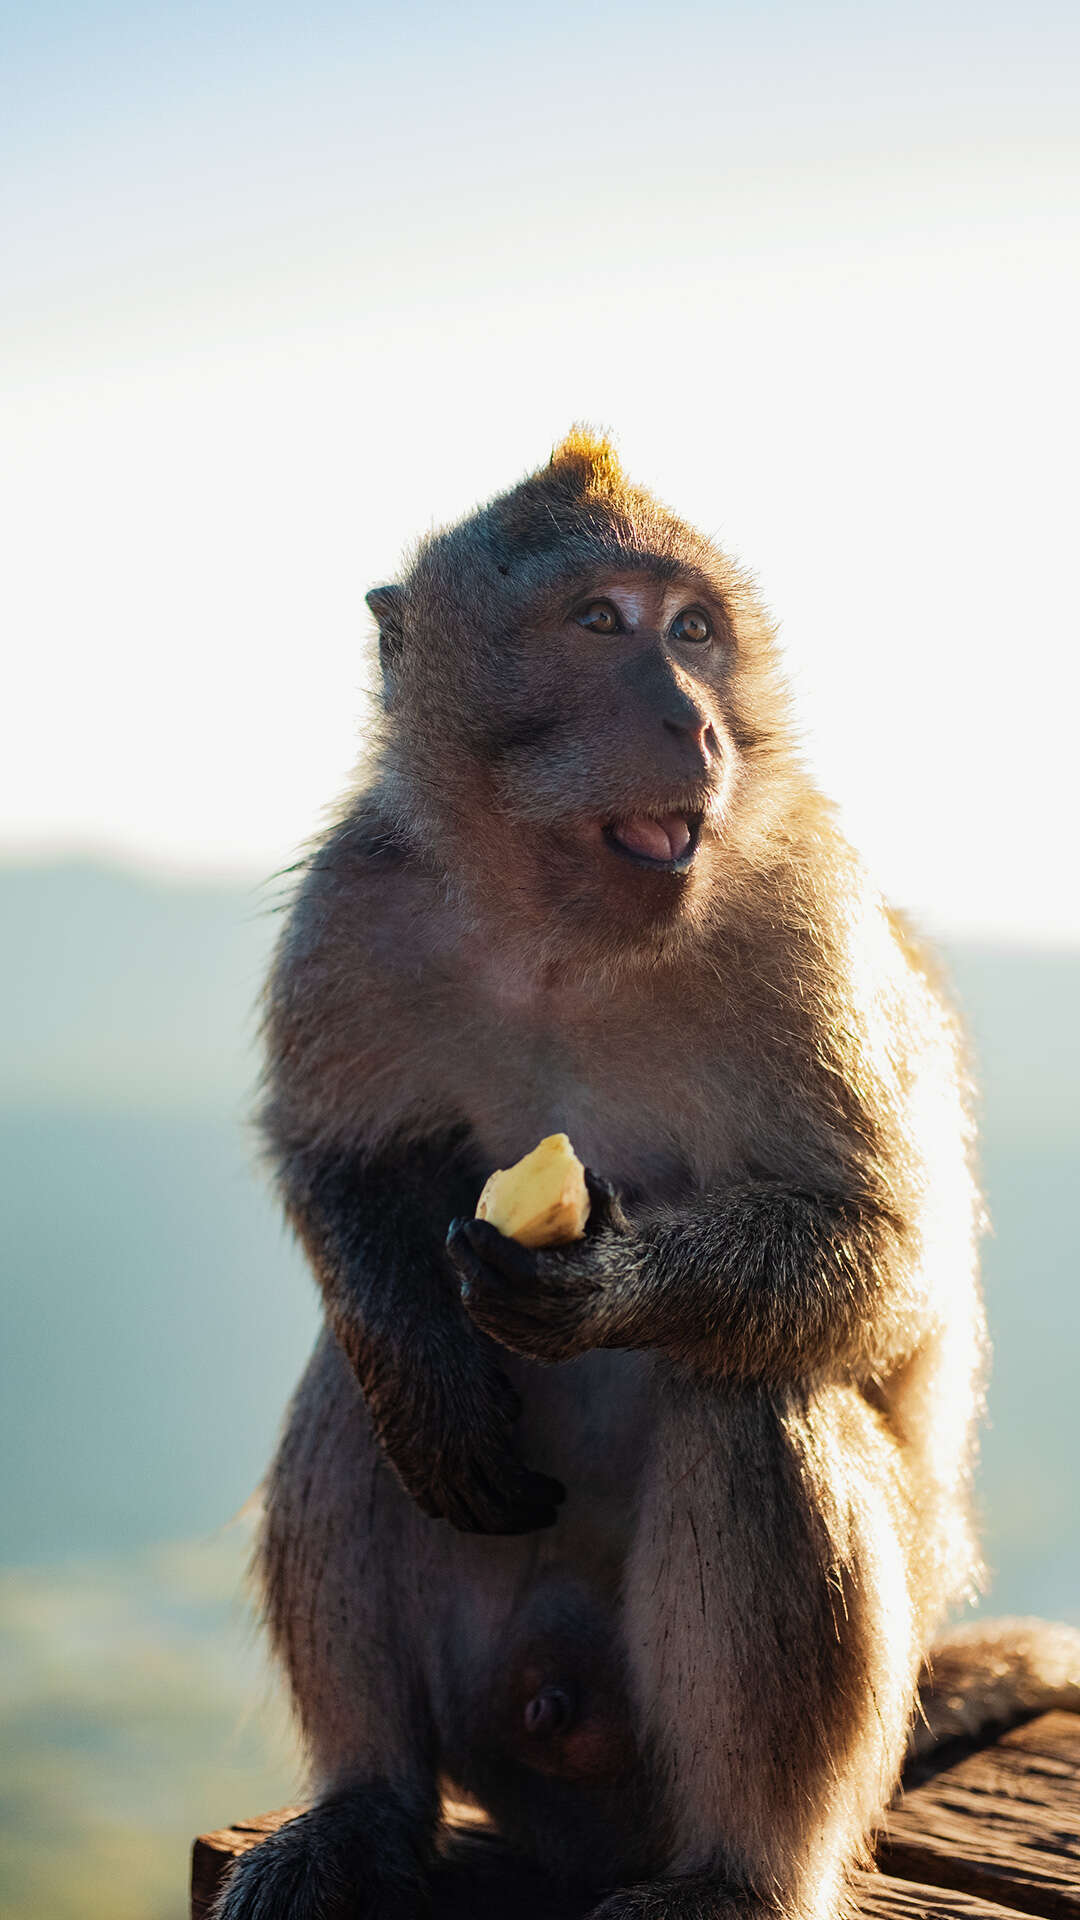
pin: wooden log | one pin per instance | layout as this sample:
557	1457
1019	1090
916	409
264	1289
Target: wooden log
1003	1824
881	1896
995	1836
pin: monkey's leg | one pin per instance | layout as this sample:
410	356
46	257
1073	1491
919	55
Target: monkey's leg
769	1633
344	1621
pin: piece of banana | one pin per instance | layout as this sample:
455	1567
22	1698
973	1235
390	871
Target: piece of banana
542	1201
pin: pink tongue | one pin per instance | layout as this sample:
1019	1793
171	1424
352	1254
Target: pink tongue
665	839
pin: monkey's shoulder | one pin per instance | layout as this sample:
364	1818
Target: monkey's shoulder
363	850
356	1000
359	895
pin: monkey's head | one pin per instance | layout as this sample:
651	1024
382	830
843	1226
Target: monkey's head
584	720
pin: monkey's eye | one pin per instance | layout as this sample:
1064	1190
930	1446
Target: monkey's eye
599	617
691	624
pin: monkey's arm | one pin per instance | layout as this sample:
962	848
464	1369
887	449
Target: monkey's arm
762	1280
374	1228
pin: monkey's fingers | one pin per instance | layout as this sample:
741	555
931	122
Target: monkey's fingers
494	1249
540	1303
507	1306
605	1207
505	1498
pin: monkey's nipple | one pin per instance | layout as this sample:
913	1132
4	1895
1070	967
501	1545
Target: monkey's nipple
548	1712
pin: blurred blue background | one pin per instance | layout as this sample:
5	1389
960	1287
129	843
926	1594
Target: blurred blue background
280	289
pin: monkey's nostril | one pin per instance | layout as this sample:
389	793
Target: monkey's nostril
700	733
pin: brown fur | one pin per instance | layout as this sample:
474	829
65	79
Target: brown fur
768	1365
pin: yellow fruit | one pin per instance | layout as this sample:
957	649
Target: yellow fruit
543	1200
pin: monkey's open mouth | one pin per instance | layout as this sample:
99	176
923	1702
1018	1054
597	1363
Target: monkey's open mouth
667	841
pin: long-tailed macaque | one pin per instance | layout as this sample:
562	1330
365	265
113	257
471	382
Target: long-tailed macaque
638	1542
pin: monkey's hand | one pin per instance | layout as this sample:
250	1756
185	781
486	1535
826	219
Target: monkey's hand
448	1438
547	1302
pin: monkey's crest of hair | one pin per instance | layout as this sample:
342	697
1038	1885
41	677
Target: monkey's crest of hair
584	468
587	461
582	504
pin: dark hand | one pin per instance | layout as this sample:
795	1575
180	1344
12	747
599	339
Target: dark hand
447	1432
550	1303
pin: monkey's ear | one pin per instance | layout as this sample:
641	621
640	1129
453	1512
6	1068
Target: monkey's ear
388	606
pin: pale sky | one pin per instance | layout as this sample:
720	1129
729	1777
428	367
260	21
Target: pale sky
280	289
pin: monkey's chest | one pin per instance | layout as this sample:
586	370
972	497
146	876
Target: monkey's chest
639	1104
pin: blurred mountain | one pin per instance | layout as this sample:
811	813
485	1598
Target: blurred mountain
157	1314
121	990
1020	1007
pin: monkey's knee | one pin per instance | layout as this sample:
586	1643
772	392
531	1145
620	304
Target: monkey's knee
358	1854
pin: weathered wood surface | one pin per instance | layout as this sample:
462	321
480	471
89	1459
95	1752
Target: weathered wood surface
1003	1824
995	1835
881	1896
